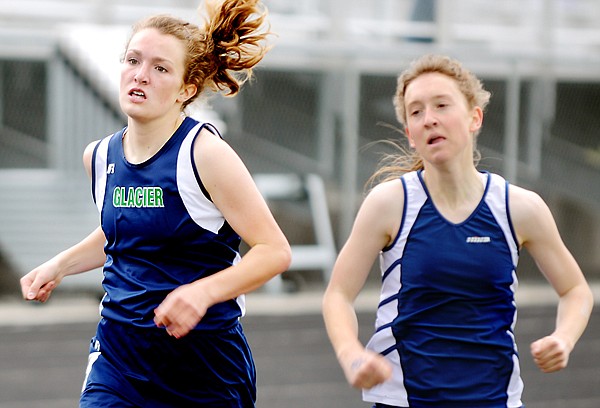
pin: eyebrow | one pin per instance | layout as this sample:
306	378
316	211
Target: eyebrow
435	97
153	59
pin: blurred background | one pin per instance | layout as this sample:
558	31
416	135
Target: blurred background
307	123
307	127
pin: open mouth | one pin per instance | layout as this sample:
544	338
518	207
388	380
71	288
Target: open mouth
435	139
137	93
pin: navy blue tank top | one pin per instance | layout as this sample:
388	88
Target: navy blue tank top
162	230
447	310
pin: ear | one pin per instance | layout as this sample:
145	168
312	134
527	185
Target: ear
409	137
476	119
186	92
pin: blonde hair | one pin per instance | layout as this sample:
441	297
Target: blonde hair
405	160
220	54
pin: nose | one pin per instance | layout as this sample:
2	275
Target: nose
430	118
141	75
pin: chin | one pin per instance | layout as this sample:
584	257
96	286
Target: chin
438	160
132	111
125	106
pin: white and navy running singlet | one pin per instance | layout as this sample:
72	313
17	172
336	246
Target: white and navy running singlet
162	230
447	312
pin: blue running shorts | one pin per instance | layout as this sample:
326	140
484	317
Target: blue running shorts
136	367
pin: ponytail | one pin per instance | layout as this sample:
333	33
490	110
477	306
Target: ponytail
220	55
235	36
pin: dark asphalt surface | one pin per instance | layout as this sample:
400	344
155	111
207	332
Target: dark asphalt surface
43	365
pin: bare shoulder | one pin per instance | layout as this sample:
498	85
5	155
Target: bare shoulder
210	149
208	137
529	213
89	149
389	193
523	202
87	157
220	168
520	196
382	209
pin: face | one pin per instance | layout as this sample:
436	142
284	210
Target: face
152	76
440	125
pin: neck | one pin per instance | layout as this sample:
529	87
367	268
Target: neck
143	140
453	187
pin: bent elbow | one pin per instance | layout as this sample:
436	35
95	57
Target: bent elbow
284	257
591	299
277	258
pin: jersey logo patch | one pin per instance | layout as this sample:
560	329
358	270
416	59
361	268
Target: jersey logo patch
138	197
478	240
110	169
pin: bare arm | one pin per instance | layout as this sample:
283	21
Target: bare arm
374	228
537	232
233	191
84	256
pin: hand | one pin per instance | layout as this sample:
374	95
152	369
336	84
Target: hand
40	282
551	353
181	311
366	369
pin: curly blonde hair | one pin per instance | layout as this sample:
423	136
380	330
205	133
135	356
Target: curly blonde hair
468	83
394	165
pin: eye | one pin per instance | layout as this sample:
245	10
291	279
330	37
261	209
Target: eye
132	61
160	68
415	112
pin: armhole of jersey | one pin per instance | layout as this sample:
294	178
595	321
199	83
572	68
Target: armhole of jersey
99	170
215	132
212	129
191	190
498	203
399	232
508	217
93	168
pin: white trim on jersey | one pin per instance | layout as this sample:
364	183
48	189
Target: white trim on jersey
393	392
388	306
100	169
496	201
199	207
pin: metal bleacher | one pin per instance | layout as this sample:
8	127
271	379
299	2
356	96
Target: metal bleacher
46	207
